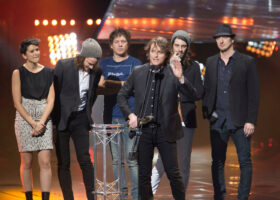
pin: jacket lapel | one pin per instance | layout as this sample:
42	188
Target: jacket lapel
235	65
214	74
144	76
91	80
76	86
166	73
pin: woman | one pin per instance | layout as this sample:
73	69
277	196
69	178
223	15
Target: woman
33	95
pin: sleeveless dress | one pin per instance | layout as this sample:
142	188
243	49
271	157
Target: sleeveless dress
34	91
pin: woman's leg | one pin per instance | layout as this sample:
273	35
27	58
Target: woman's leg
44	157
26	170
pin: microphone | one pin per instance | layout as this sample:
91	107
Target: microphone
155	68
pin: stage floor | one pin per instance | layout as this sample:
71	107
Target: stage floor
265	186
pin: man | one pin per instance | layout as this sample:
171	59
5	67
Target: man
116	69
155	86
231	104
180	43
75	81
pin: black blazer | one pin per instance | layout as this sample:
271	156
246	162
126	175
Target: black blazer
243	89
67	96
168	100
187	103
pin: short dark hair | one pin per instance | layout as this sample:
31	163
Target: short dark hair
119	32
161	42
27	42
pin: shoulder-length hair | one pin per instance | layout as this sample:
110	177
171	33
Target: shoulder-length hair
79	61
162	43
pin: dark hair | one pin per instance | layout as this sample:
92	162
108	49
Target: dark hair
26	43
186	59
161	42
119	32
79	61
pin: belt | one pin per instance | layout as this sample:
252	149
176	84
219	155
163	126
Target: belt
76	113
151	125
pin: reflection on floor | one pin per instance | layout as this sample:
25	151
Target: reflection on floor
266	177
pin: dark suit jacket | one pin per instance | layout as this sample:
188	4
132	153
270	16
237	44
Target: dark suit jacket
243	89
67	96
168	98
187	103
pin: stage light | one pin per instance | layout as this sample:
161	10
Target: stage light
72	22
63	22
36	22
244	21
225	20
251	21
267	54
190	18
98	21
250	43
234	20
89	22
171	21
135	21
62	46
54	22
117	22
45	22
153	21
125	21
144	21
108	22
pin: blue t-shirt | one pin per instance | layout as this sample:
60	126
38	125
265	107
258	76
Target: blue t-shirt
119	71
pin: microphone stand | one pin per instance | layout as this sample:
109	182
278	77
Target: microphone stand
132	155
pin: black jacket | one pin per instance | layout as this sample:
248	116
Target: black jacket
243	89
67	96
168	98
187	103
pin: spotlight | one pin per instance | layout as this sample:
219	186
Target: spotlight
36	22
54	22
98	22
63	22
45	22
72	22
62	46
89	22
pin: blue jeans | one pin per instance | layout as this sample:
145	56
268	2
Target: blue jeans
184	149
127	144
219	141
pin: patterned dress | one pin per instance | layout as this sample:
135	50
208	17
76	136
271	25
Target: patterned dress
34	91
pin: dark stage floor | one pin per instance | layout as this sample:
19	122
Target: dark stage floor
266	176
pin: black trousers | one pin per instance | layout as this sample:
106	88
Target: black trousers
150	139
77	129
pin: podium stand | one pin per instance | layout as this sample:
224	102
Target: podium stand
102	135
